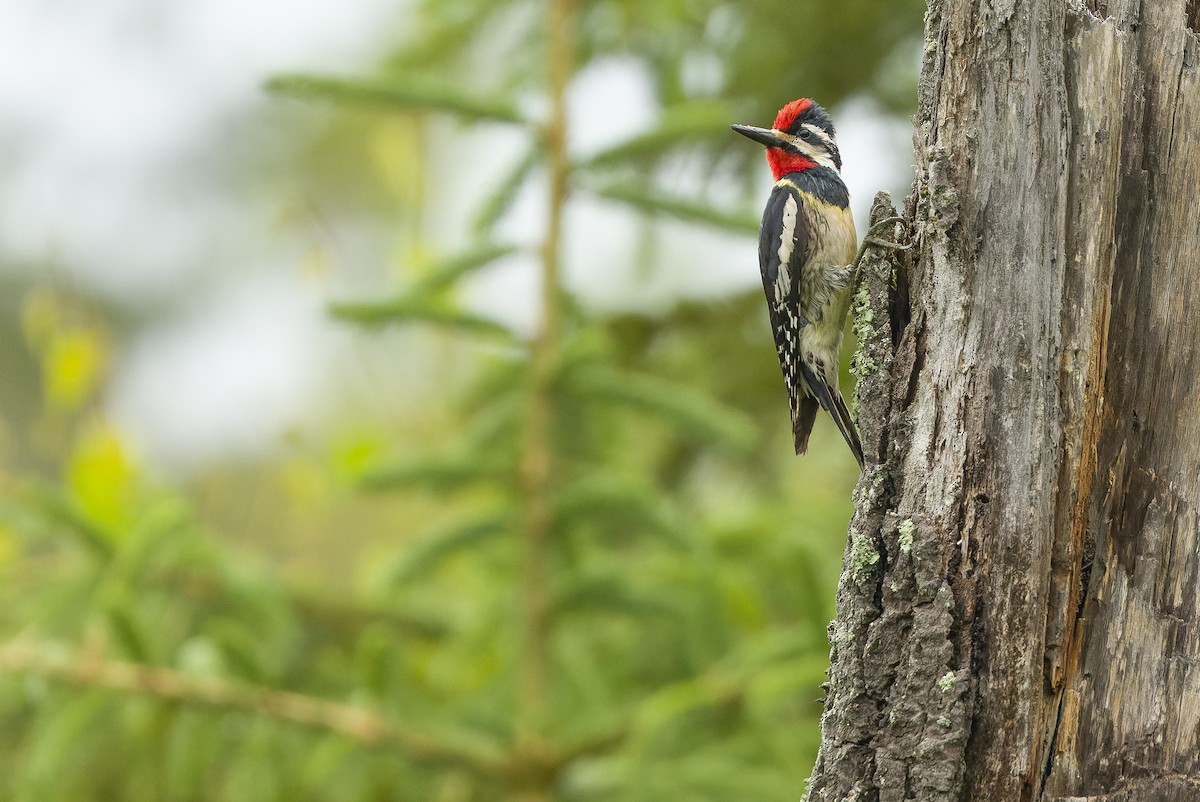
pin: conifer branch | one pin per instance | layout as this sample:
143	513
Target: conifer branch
358	724
537	451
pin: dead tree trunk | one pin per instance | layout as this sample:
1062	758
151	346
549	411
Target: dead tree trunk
1019	617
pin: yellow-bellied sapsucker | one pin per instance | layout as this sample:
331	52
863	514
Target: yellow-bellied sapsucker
806	251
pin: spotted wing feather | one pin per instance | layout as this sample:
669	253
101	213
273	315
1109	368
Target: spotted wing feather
782	251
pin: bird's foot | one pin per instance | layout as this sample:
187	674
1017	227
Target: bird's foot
870	240
882	224
891	246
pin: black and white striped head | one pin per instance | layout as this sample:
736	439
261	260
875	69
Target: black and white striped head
802	137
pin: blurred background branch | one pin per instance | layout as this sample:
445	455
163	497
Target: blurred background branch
363	726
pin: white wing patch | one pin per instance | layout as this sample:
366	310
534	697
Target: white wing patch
787	242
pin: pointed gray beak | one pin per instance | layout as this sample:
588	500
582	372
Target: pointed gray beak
763	136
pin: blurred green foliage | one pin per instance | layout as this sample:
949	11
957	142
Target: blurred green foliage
370	642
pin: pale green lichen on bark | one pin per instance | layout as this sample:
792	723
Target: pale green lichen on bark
861	365
905	530
863	559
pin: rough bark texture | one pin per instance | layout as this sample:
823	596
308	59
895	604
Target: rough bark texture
1019	616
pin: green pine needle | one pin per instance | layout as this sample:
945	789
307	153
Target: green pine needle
647	201
500	199
608	594
612	502
437	473
432	550
678	405
408	94
696	122
416	310
446	273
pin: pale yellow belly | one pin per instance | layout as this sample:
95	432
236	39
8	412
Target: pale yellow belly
823	306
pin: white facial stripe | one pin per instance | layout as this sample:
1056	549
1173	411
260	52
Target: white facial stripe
818	154
828	140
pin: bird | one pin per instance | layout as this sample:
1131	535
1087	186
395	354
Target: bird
807	255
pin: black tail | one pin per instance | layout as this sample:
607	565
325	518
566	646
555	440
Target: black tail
846	426
803	415
831	399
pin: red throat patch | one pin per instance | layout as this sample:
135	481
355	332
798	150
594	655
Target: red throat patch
783	162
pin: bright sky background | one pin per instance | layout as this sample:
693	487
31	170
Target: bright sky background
118	117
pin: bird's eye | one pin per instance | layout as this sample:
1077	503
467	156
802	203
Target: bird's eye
806	134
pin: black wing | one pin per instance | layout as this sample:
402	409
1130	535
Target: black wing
783	246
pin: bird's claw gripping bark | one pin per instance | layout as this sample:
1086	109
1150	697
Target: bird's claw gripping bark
870	240
887	221
891	246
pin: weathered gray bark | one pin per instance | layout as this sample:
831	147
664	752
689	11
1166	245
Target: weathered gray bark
1019	618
